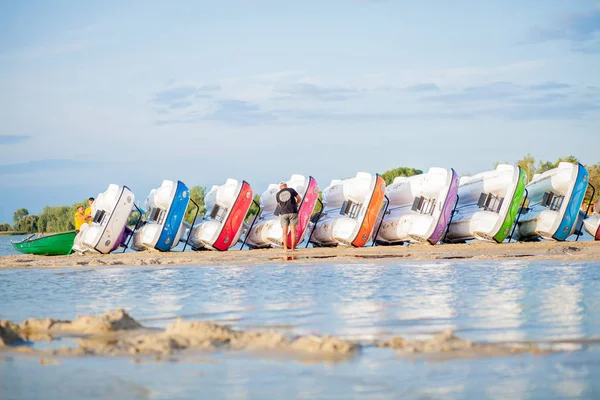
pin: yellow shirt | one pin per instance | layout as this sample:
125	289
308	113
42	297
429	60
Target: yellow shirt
88	211
79	220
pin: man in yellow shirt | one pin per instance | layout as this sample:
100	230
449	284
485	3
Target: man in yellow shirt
90	210
81	218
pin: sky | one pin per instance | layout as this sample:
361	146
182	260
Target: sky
135	92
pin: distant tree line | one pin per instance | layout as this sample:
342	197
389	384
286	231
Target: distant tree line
391	174
61	218
51	219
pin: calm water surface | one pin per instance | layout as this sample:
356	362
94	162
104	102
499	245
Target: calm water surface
6	247
482	301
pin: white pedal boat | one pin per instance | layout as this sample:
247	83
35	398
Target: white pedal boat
350	211
108	229
555	198
227	206
592	226
420	207
165	209
488	205
267	231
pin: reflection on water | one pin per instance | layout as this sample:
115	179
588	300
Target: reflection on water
166	301
501	307
432	308
490	301
358	310
241	376
561	302
483	301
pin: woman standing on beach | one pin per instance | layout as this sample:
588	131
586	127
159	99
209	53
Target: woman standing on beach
81	218
91	209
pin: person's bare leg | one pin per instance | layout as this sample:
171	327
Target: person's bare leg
284	236
293	232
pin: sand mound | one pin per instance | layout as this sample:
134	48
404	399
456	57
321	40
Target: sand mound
442	343
110	322
118	334
446	342
8	333
222	336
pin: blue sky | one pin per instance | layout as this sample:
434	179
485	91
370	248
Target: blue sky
93	93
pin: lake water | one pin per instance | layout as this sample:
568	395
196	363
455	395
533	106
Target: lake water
6	247
480	300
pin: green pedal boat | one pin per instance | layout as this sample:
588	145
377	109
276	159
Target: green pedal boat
58	244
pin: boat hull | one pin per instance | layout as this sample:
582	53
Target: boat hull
568	222
50	245
351	211
169	236
369	221
123	238
406	221
105	233
515	205
491	218
554	223
592	226
166	207
449	204
231	227
117	223
305	210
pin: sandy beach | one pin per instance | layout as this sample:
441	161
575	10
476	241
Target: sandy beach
567	251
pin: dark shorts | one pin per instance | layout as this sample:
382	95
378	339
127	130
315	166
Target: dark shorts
289	219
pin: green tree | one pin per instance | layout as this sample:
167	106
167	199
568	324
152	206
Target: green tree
133	218
594	179
27	223
253	208
528	165
19	214
5	227
389	176
197	194
544	166
318	205
57	218
571	159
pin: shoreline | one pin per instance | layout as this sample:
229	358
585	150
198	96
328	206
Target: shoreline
558	251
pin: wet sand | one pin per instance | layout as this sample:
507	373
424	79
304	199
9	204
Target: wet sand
116	333
566	251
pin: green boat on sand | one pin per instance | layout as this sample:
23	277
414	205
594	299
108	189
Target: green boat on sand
488	205
58	244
